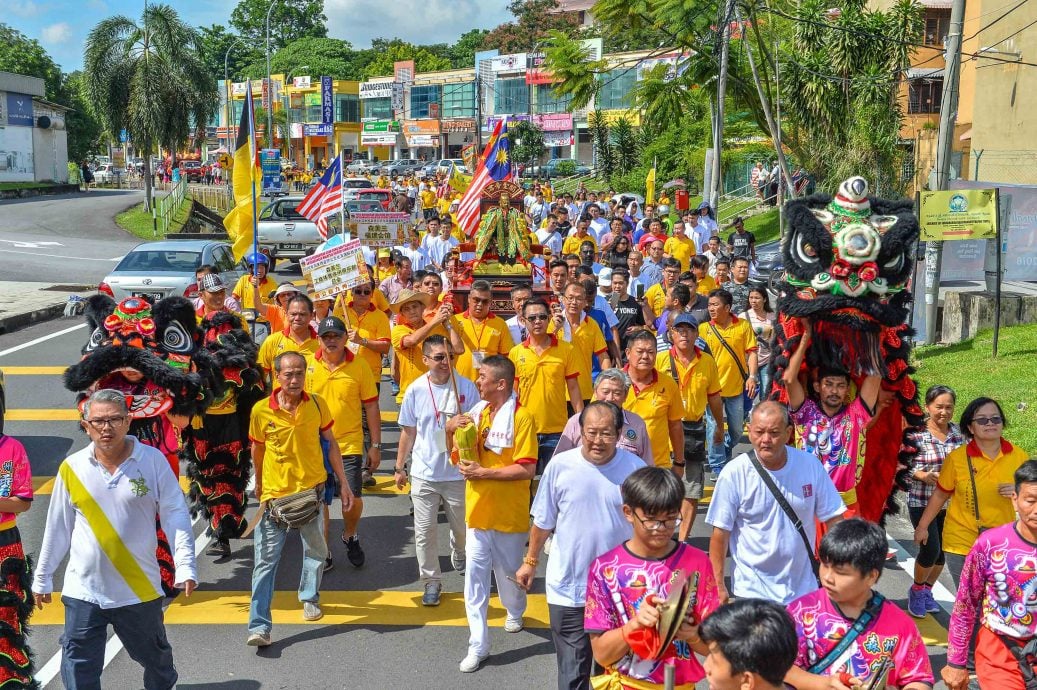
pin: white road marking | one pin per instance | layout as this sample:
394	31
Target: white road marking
944	597
117	258
37	341
32	245
56	256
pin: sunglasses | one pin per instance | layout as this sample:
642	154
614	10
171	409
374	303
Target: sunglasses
537	317
439	357
988	421
362	292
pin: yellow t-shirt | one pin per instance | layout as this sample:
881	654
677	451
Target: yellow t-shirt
741	338
588	340
243	291
428	199
959	527
373	324
706	285
293	461
656	298
409	359
541	382
658	403
491	337
680	248
345	389
502	505
279	342
699	380
572	244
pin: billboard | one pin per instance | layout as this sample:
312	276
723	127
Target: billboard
964	260
16	162
327	101
270	163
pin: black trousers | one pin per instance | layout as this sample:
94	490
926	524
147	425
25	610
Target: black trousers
572	647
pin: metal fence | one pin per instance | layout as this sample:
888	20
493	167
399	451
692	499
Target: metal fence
216	197
167	207
1009	167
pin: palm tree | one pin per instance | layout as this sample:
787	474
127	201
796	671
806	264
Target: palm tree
150	80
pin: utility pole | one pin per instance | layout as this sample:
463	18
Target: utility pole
478	114
948	114
718	123
269	81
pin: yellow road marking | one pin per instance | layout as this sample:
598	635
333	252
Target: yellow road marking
65	414
34	371
391	608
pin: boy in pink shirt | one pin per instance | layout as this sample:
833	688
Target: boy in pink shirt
998	585
847	630
15	598
626	585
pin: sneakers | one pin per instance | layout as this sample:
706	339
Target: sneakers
329	564
368	479
311	611
930	601
219	548
471	662
513	625
431	596
457	560
395	392
258	640
354	552
916	601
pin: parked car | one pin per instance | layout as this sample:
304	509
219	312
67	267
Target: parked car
351	185
192	171
551	167
155	270
361	165
448	164
382	196
285	234
106	173
402	166
770	265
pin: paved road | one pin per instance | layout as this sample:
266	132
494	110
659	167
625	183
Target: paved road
68	239
374	634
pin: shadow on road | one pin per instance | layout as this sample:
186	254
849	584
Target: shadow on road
93	194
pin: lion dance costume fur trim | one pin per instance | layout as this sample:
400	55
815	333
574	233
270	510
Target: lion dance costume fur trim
848	261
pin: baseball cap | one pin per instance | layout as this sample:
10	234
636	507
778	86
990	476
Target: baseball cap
605	277
331	324
685	319
211	282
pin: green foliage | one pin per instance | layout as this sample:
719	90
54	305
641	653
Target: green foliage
328	57
535	21
23	55
280	120
566	168
462	53
216	40
389	51
576	75
604	154
289	20
625	142
531	137
84	129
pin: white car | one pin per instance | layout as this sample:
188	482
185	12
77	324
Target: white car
105	174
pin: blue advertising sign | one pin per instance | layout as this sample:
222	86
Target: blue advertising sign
270	162
124	136
19	110
327	101
325	130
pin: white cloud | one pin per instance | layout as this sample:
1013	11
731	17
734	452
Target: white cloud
22	8
431	21
56	33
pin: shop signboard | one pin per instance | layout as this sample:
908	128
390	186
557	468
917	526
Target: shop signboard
376	89
327	101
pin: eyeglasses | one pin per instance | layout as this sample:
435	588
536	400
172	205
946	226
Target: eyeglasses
102	423
362	292
599	435
988	421
657	525
439	358
537	317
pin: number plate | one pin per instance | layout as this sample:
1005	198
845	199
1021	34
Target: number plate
149	296
289	246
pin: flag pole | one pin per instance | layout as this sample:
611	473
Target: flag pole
255	211
342	206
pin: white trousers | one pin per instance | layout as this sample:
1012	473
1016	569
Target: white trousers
499	553
427	497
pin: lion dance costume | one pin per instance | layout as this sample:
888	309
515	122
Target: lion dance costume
848	263
16	602
147	353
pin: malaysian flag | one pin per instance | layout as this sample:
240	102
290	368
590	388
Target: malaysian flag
324	199
494	166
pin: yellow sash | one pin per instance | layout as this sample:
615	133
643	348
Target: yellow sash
107	536
613	680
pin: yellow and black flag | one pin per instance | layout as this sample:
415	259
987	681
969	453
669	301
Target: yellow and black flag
246	178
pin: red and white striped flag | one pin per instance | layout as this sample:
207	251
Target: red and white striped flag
324	199
495	165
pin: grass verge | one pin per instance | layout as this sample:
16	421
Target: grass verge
14	186
136	221
764	226
971	371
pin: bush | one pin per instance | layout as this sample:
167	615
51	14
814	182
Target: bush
566	168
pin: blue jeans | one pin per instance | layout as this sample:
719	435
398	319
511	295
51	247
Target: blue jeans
138	626
269	541
734	415
546	444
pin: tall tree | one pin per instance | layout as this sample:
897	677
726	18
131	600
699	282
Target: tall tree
85	132
527	142
534	21
389	51
604	153
328	57
462	53
216	41
149	79
23	55
289	20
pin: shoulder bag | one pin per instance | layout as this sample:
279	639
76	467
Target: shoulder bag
730	351
869	614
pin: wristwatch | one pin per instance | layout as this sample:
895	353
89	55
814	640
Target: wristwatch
400	469
376	445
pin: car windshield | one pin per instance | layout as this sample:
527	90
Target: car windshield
281	211
161	261
357	184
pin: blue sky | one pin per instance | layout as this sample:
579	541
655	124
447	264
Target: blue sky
61	26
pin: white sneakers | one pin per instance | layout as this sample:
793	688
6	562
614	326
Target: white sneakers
471	662
513	625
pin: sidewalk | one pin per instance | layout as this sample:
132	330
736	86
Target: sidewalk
23	304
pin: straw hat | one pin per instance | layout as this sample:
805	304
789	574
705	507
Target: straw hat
410	296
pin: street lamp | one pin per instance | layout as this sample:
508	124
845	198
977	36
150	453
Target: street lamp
269	82
226	81
288	112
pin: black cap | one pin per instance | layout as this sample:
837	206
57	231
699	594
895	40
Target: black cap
331	324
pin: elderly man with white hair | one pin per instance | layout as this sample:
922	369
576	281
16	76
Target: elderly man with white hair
611	386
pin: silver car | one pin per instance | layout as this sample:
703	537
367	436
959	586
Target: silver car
155	270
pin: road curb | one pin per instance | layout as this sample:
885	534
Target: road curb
14	322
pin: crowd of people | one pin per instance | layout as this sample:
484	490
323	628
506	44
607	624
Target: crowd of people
638	357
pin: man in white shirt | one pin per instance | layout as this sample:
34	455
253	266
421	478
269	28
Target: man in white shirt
770	557
520	294
438	247
578	499
415	252
599	224
427	404
696	231
102	515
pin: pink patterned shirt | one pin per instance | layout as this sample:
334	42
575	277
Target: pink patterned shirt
838	441
617	583
15	474
820	625
999	587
